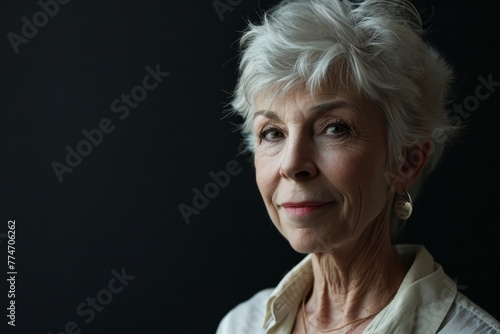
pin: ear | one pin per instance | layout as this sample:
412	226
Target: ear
415	158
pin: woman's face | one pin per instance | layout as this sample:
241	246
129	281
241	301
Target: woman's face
320	164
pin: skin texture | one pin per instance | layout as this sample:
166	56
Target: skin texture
320	162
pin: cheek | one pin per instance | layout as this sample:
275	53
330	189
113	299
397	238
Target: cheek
267	177
266	174
359	175
373	188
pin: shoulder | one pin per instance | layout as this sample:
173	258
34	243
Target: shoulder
247	317
466	317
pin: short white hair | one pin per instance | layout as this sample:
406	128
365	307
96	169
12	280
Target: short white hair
374	46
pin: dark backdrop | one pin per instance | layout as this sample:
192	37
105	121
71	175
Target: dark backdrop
118	209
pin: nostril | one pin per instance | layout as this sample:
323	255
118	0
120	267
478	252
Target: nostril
303	174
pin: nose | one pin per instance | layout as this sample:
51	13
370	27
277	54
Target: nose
298	160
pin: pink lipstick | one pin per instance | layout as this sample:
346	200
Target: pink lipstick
299	209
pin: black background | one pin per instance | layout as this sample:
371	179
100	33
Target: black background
119	207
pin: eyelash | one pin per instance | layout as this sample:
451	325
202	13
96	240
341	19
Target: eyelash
265	130
342	124
338	123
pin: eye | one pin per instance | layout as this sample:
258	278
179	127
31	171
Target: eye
271	134
336	129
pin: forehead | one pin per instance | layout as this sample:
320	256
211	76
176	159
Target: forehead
302	102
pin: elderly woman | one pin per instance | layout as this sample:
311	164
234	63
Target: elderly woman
343	106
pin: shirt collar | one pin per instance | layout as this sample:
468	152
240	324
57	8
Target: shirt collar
422	300
288	294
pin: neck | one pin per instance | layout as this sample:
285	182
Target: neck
355	281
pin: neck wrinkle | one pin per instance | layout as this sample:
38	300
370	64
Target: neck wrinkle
357	281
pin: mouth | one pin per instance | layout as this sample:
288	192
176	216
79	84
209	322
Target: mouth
299	209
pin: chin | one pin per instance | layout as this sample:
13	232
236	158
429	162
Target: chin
302	247
313	234
306	241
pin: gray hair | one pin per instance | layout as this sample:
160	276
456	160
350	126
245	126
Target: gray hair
376	47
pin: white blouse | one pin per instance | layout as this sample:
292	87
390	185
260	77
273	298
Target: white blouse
426	302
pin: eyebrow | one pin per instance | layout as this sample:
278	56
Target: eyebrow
318	109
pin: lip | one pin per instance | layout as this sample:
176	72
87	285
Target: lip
299	209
